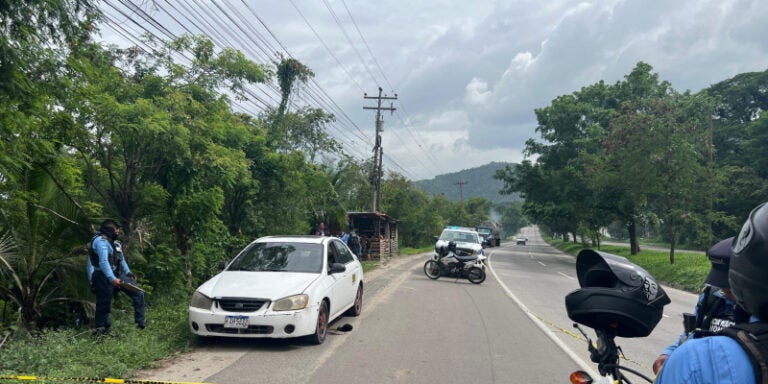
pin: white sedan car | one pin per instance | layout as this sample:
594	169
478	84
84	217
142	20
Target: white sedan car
280	287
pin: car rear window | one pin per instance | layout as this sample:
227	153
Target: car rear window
280	257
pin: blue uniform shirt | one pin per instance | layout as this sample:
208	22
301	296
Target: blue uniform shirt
708	360
103	249
730	308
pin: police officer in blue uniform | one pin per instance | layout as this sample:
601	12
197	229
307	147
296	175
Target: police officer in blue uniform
721	359
716	308
107	270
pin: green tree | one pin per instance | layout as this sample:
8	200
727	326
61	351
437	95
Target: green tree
656	152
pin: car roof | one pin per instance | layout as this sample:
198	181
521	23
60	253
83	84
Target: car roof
306	239
460	229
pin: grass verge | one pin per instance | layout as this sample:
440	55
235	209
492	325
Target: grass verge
76	353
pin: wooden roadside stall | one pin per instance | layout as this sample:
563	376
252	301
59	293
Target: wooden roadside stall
378	233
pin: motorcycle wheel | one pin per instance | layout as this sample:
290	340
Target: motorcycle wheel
476	275
431	269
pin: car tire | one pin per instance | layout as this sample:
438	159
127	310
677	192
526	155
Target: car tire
321	329
357	307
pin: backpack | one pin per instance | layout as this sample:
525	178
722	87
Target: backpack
753	337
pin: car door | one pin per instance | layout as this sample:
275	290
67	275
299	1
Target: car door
352	274
337	286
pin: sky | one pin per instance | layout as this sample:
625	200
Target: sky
468	75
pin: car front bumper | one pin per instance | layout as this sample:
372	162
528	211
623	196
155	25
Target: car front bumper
260	324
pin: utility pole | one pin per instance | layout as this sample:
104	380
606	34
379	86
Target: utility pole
461	190
378	152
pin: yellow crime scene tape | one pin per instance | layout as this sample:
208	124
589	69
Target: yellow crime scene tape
91	380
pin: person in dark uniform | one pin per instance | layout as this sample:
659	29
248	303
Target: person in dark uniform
107	271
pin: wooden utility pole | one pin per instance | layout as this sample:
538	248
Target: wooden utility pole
378	152
461	190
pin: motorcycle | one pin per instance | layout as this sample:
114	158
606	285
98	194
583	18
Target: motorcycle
617	299
447	262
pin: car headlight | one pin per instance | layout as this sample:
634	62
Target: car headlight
291	303
200	301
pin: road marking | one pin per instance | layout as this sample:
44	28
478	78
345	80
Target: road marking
542	264
572	278
664	315
543	327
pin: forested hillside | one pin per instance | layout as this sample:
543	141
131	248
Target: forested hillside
475	182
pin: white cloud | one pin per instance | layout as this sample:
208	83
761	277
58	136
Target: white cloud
470	74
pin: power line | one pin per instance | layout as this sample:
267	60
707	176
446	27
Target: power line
367	46
224	24
344	32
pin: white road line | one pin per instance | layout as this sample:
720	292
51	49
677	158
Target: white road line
572	278
544	328
542	264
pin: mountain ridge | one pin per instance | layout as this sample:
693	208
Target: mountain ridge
471	182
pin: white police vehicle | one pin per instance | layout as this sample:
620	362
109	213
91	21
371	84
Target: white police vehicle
468	241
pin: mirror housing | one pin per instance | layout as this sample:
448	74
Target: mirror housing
337	268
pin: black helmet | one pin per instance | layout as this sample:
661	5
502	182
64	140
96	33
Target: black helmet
748	274
616	296
452	246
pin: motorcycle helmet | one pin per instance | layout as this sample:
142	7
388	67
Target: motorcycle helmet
616	296
748	274
452	246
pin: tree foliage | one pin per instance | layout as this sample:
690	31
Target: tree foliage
638	152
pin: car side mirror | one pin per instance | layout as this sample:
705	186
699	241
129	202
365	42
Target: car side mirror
222	265
337	268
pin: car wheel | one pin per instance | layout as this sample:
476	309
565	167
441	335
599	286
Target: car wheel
357	307
321	330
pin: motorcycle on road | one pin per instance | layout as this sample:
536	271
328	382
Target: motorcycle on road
447	262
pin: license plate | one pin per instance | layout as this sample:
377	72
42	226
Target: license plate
236	322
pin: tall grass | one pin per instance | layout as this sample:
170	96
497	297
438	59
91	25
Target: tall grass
75	352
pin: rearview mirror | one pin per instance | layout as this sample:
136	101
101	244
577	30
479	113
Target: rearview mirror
337	268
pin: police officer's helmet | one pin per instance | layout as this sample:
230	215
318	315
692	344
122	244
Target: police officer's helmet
748	274
616	296
452	246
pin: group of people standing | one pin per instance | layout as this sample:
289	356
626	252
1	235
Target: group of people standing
354	241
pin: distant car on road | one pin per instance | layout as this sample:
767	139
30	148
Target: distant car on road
280	287
521	241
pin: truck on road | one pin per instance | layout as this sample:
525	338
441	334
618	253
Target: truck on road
491	233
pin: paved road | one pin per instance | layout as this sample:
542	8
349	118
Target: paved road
540	276
416	330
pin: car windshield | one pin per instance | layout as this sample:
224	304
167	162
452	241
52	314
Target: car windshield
483	231
280	257
463	237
